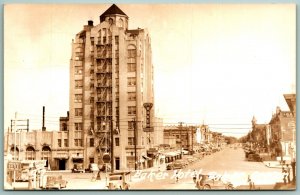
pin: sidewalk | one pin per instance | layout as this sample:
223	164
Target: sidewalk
272	164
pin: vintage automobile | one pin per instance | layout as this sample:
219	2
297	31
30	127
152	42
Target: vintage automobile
77	168
175	165
254	157
93	167
207	182
55	182
119	181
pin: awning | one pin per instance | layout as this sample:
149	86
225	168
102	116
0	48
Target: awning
170	154
77	157
146	157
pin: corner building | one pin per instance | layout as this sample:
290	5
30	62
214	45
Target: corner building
111	77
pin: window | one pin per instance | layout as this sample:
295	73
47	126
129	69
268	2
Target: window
59	142
142	141
117	96
92	160
91	142
117	54
78	126
131	53
78	84
78	142
130	125
78	98
117	141
131	67
117	40
131	110
131	96
130	141
30	153
64	127
66	143
117	111
92	100
131	81
78	111
78	70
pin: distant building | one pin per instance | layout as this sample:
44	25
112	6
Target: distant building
283	130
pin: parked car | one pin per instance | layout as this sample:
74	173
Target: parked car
254	157
207	182
175	165
184	162
93	167
55	182
77	169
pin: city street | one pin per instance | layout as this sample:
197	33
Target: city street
229	163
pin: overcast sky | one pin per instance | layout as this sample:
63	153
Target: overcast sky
220	64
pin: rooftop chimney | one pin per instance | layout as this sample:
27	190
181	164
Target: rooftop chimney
90	23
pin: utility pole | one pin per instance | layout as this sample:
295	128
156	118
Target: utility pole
180	129
15	131
43	128
192	139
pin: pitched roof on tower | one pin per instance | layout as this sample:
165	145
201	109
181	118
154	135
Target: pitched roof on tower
110	11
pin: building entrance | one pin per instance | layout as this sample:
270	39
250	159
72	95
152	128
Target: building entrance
117	163
61	164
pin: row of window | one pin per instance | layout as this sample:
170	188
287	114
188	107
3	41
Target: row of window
131	97
77	142
131	81
78	112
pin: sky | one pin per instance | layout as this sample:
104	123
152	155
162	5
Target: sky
217	64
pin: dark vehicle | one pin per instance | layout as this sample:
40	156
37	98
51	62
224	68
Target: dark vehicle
55	182
254	157
175	165
207	182
77	169
93	167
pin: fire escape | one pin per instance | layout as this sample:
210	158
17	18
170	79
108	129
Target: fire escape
103	99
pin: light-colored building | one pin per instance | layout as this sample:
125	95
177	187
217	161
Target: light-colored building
111	90
111	78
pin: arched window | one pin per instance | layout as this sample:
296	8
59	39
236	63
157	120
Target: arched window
131	51
121	23
30	153
46	154
14	153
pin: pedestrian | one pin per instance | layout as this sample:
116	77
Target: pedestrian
284	174
126	186
288	173
194	176
251	183
176	176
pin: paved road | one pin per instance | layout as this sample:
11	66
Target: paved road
229	163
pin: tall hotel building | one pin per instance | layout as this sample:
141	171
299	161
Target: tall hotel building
111	79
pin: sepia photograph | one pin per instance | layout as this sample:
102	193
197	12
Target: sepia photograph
149	96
